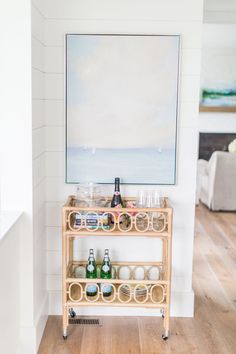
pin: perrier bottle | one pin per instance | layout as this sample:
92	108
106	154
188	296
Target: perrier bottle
91	273
106	270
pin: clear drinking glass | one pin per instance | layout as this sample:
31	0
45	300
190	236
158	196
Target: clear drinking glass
156	199
88	193
141	199
149	200
141	218
156	215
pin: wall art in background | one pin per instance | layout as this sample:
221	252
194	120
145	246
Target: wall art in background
218	77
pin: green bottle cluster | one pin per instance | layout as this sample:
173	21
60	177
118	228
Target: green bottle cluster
91	273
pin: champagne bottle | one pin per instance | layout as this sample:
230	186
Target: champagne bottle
116	199
106	269
91	273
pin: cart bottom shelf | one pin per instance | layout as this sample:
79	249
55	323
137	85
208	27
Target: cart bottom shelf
131	295
115	304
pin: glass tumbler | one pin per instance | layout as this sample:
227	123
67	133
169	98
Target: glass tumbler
142	217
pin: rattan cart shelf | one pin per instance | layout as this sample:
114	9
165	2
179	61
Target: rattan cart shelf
150	292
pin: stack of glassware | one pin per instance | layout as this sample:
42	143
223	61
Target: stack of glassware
89	195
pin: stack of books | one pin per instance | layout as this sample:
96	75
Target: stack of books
92	221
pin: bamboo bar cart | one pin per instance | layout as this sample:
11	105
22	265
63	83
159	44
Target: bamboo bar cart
151	292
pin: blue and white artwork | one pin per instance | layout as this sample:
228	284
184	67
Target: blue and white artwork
121	108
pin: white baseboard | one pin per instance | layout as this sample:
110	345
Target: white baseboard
30	336
182	305
41	320
27	340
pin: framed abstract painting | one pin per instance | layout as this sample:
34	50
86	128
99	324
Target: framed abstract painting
121	108
218	69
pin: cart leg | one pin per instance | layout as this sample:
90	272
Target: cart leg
165	335
65	322
166	324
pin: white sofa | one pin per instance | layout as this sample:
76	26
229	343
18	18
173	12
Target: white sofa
216	181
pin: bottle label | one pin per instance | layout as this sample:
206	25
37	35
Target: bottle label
106	288
90	268
91	288
105	268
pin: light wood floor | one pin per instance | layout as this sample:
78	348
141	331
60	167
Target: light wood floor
212	330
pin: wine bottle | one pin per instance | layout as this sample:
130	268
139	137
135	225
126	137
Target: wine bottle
106	288
91	273
116	199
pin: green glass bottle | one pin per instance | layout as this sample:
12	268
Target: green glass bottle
106	272
91	273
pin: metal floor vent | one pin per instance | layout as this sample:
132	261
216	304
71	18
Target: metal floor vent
85	321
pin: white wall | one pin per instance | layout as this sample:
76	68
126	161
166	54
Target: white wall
217	122
10	289
155	17
16	155
38	155
218	65
22	171
15	86
219	11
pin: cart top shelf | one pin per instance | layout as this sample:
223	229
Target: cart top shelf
80	220
71	205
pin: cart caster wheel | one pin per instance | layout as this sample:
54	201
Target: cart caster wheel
164	337
64	337
72	313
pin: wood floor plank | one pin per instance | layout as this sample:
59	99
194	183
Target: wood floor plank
227	227
97	340
150	330
53	341
211	331
224	276
125	335
209	223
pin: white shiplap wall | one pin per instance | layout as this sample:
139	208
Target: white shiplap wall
22	172
219	11
40	294
149	17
